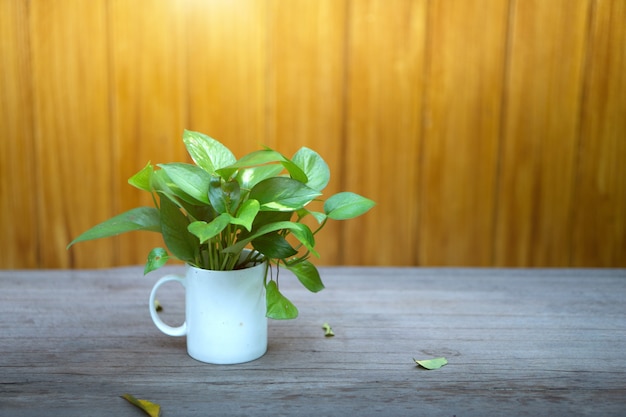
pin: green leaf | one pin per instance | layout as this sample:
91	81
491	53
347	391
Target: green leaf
278	306
198	211
347	205
319	217
249	177
150	408
156	259
190	178
143	179
262	157
299	230
295	171
224	195
314	167
177	238
308	275
163	184
273	246
206	152
140	218
431	363
266	217
282	194
205	231
328	331
246	214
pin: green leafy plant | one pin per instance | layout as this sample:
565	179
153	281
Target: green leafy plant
208	212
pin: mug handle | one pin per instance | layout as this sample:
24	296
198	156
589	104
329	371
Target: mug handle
160	324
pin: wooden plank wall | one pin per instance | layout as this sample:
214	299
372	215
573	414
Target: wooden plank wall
490	132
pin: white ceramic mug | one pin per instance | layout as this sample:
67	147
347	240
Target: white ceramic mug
225	314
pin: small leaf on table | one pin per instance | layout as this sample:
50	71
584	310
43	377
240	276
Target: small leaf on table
328	331
151	409
431	363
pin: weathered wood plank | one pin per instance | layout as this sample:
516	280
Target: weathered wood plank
305	93
518	342
226	46
459	161
384	94
17	167
149	107
599	229
72	154
540	132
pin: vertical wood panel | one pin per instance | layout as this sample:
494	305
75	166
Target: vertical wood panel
540	132
385	90
599	236
466	67
148	101
226	71
92	90
73	157
305	91
18	215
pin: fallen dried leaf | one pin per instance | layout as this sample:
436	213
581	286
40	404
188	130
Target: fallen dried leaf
150	408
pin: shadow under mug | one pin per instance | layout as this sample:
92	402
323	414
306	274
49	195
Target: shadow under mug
225	313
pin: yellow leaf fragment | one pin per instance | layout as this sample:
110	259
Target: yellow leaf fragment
328	331
150	408
431	363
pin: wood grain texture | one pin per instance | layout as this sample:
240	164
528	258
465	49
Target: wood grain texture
18	211
305	104
459	161
72	128
383	125
599	228
518	342
226	71
540	134
149	107
487	132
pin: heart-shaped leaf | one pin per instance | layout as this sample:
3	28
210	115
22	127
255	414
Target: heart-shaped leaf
206	152
189	178
431	363
205	231
347	205
278	306
315	168
282	194
308	275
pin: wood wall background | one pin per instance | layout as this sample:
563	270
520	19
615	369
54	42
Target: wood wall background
490	132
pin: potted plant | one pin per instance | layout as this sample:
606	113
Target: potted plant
223	215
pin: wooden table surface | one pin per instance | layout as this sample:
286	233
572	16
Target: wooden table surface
518	342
